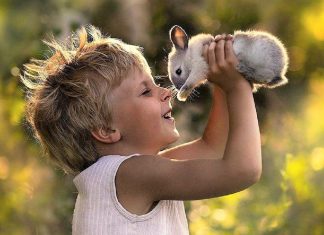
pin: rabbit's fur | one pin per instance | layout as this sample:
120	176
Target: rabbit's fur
263	59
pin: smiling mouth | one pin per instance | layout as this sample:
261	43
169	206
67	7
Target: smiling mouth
168	115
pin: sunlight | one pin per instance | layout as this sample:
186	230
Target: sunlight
313	20
314	109
298	175
219	215
15	71
317	159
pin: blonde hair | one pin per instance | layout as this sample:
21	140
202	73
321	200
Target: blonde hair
68	93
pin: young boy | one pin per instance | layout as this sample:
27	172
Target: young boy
99	115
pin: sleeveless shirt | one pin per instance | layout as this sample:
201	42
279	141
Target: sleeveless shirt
98	212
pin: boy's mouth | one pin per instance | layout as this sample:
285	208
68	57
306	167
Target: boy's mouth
167	115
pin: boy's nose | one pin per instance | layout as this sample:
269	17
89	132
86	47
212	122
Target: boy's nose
165	94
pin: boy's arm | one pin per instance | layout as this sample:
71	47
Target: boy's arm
213	141
151	178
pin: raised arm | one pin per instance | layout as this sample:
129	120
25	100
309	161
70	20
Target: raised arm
154	178
243	145
212	143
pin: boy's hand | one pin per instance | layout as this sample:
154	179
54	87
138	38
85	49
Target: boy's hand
222	61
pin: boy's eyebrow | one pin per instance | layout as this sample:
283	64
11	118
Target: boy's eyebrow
146	82
143	83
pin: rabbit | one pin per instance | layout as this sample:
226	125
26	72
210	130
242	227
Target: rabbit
263	60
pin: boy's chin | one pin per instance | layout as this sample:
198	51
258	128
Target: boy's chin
175	136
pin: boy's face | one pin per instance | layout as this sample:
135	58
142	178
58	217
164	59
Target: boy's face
138	106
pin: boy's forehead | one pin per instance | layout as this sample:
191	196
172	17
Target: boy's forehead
140	78
135	80
141	75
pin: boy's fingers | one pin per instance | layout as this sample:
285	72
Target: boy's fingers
220	54
217	38
228	49
229	53
229	37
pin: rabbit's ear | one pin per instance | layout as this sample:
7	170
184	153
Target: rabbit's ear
179	37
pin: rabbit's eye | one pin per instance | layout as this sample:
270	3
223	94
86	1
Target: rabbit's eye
178	71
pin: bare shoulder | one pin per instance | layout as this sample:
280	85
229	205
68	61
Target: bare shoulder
129	179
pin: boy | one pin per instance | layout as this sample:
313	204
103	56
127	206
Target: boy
99	115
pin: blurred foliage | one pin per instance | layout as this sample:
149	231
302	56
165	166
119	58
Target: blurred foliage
38	199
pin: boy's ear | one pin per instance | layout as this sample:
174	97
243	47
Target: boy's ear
179	37
106	135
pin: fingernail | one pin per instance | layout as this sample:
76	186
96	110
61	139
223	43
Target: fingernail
229	37
217	37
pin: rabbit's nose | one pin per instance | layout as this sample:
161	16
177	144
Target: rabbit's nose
178	86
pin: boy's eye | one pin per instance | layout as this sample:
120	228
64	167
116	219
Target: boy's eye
146	92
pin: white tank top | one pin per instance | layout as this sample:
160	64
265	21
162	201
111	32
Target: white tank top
97	210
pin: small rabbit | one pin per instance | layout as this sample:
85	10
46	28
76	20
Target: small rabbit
263	60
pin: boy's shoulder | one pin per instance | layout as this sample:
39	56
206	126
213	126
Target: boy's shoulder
103	168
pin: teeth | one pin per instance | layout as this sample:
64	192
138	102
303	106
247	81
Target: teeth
167	115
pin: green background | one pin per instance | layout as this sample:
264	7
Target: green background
36	198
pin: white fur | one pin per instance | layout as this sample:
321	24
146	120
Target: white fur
262	59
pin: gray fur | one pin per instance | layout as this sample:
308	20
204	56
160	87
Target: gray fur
263	59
